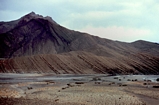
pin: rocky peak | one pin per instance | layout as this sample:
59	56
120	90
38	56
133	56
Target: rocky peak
33	15
29	16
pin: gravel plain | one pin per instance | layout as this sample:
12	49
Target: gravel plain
40	89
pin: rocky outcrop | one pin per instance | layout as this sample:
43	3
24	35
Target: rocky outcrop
35	43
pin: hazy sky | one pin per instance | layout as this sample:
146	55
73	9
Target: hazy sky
123	20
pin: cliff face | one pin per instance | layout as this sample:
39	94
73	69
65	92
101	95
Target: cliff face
35	43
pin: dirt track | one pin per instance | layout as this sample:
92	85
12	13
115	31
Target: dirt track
87	90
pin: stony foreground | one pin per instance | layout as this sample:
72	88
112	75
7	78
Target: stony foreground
79	90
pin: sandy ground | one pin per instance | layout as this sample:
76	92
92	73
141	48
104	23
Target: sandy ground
79	90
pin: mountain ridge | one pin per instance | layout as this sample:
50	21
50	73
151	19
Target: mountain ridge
35	37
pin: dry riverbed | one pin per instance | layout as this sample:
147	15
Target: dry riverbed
47	89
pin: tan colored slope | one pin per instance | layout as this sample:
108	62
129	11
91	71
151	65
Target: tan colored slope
81	63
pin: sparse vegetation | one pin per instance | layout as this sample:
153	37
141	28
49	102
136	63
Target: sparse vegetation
119	84
144	83
56	100
134	80
113	82
64	88
29	88
109	84
96	79
97	82
157	79
68	84
155	86
49	82
89	93
79	82
124	85
115	77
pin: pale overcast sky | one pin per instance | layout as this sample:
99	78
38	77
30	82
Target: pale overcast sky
122	20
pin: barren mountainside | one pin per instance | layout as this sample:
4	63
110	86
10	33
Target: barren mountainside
37	44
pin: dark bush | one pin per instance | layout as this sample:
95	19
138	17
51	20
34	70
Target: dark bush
113	82
115	77
157	79
155	86
124	85
144	83
97	82
96	79
79	82
30	88
119	84
68	84
64	88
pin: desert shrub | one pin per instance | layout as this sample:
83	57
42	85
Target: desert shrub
113	82
68	84
56	100
115	77
119	84
109	84
30	88
128	79
96	79
157	79
155	86
64	88
119	79
79	82
146	83
49	81
124	85
97	82
134	80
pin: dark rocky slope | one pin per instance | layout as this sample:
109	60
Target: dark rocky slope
38	44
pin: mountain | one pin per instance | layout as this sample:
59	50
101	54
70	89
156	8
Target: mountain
35	43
